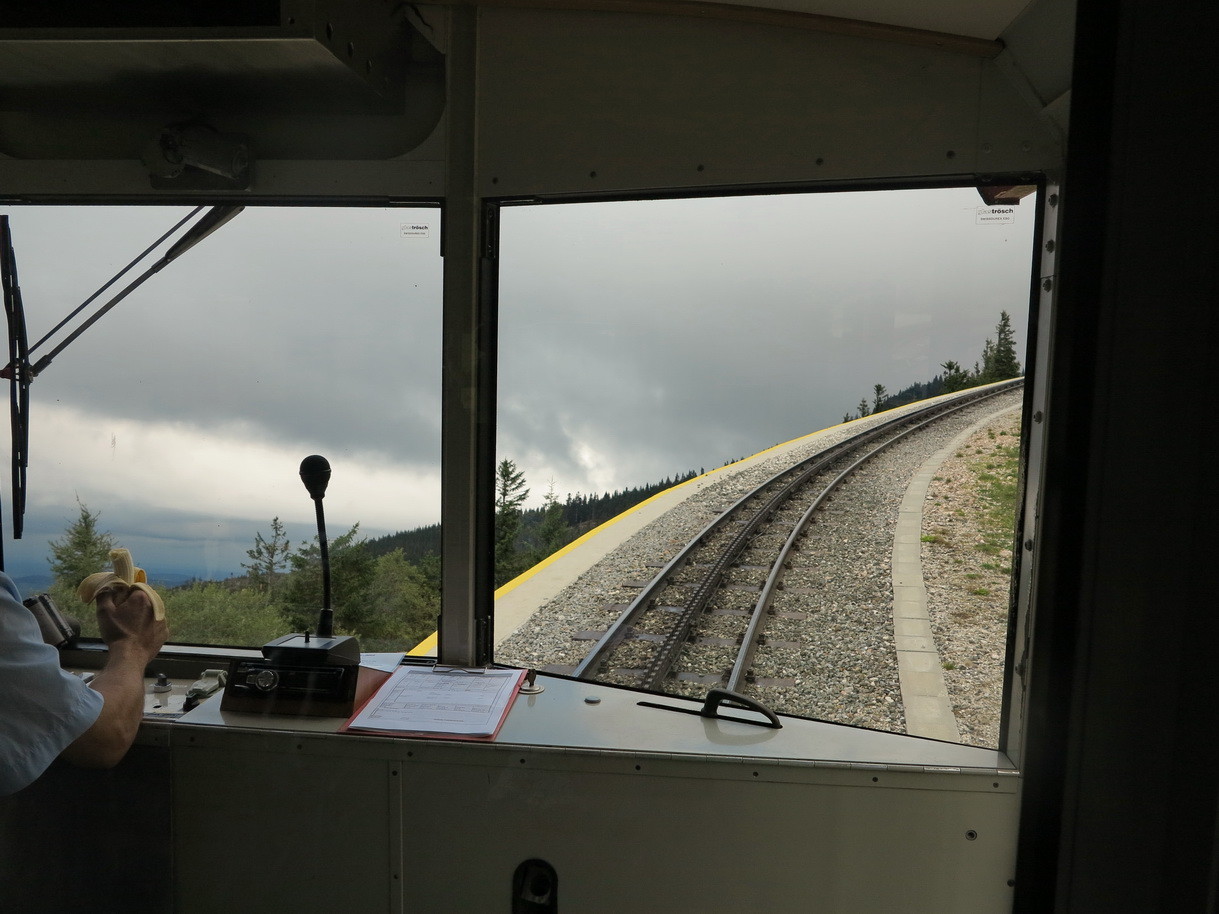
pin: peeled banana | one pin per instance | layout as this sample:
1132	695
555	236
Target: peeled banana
125	574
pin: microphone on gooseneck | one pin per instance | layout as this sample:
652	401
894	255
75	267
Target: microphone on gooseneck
315	474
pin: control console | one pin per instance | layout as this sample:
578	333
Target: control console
297	674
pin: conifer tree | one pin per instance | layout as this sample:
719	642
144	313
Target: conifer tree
879	394
999	355
552	531
510	494
82	550
955	377
403	605
268	558
352	568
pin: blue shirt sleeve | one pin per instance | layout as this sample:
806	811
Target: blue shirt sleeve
43	709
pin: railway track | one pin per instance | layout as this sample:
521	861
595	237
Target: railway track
719	614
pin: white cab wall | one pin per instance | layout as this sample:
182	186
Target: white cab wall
309	822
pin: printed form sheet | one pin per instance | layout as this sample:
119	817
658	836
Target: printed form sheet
441	701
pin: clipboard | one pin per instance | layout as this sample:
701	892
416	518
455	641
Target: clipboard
439	702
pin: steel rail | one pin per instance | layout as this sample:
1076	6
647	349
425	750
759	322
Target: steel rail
618	631
749	643
662	661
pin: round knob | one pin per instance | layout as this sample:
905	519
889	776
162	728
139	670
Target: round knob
266	680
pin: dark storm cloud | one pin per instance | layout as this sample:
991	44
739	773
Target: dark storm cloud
305	323
642	339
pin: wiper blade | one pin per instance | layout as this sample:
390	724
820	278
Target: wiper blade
19	383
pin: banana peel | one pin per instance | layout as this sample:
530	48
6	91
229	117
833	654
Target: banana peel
125	575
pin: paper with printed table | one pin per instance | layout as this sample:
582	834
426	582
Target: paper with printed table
440	701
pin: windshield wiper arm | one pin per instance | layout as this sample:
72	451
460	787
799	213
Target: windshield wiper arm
212	220
20	372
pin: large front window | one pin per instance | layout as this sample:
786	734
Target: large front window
175	425
643	344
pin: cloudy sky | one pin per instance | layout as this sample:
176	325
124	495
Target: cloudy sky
638	340
643	339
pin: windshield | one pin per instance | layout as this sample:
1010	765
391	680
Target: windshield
175	426
660	358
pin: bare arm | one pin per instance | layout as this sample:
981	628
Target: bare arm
133	637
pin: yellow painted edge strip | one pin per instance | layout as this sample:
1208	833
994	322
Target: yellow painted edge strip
427	647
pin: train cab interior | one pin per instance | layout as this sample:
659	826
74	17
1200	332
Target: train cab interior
1101	794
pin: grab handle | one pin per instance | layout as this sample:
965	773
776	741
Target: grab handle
718	697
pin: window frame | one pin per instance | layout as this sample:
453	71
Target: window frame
1019	624
88	652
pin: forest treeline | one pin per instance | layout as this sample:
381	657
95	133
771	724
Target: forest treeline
539	527
997	362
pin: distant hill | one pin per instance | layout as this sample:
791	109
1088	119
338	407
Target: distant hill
415	544
34	583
